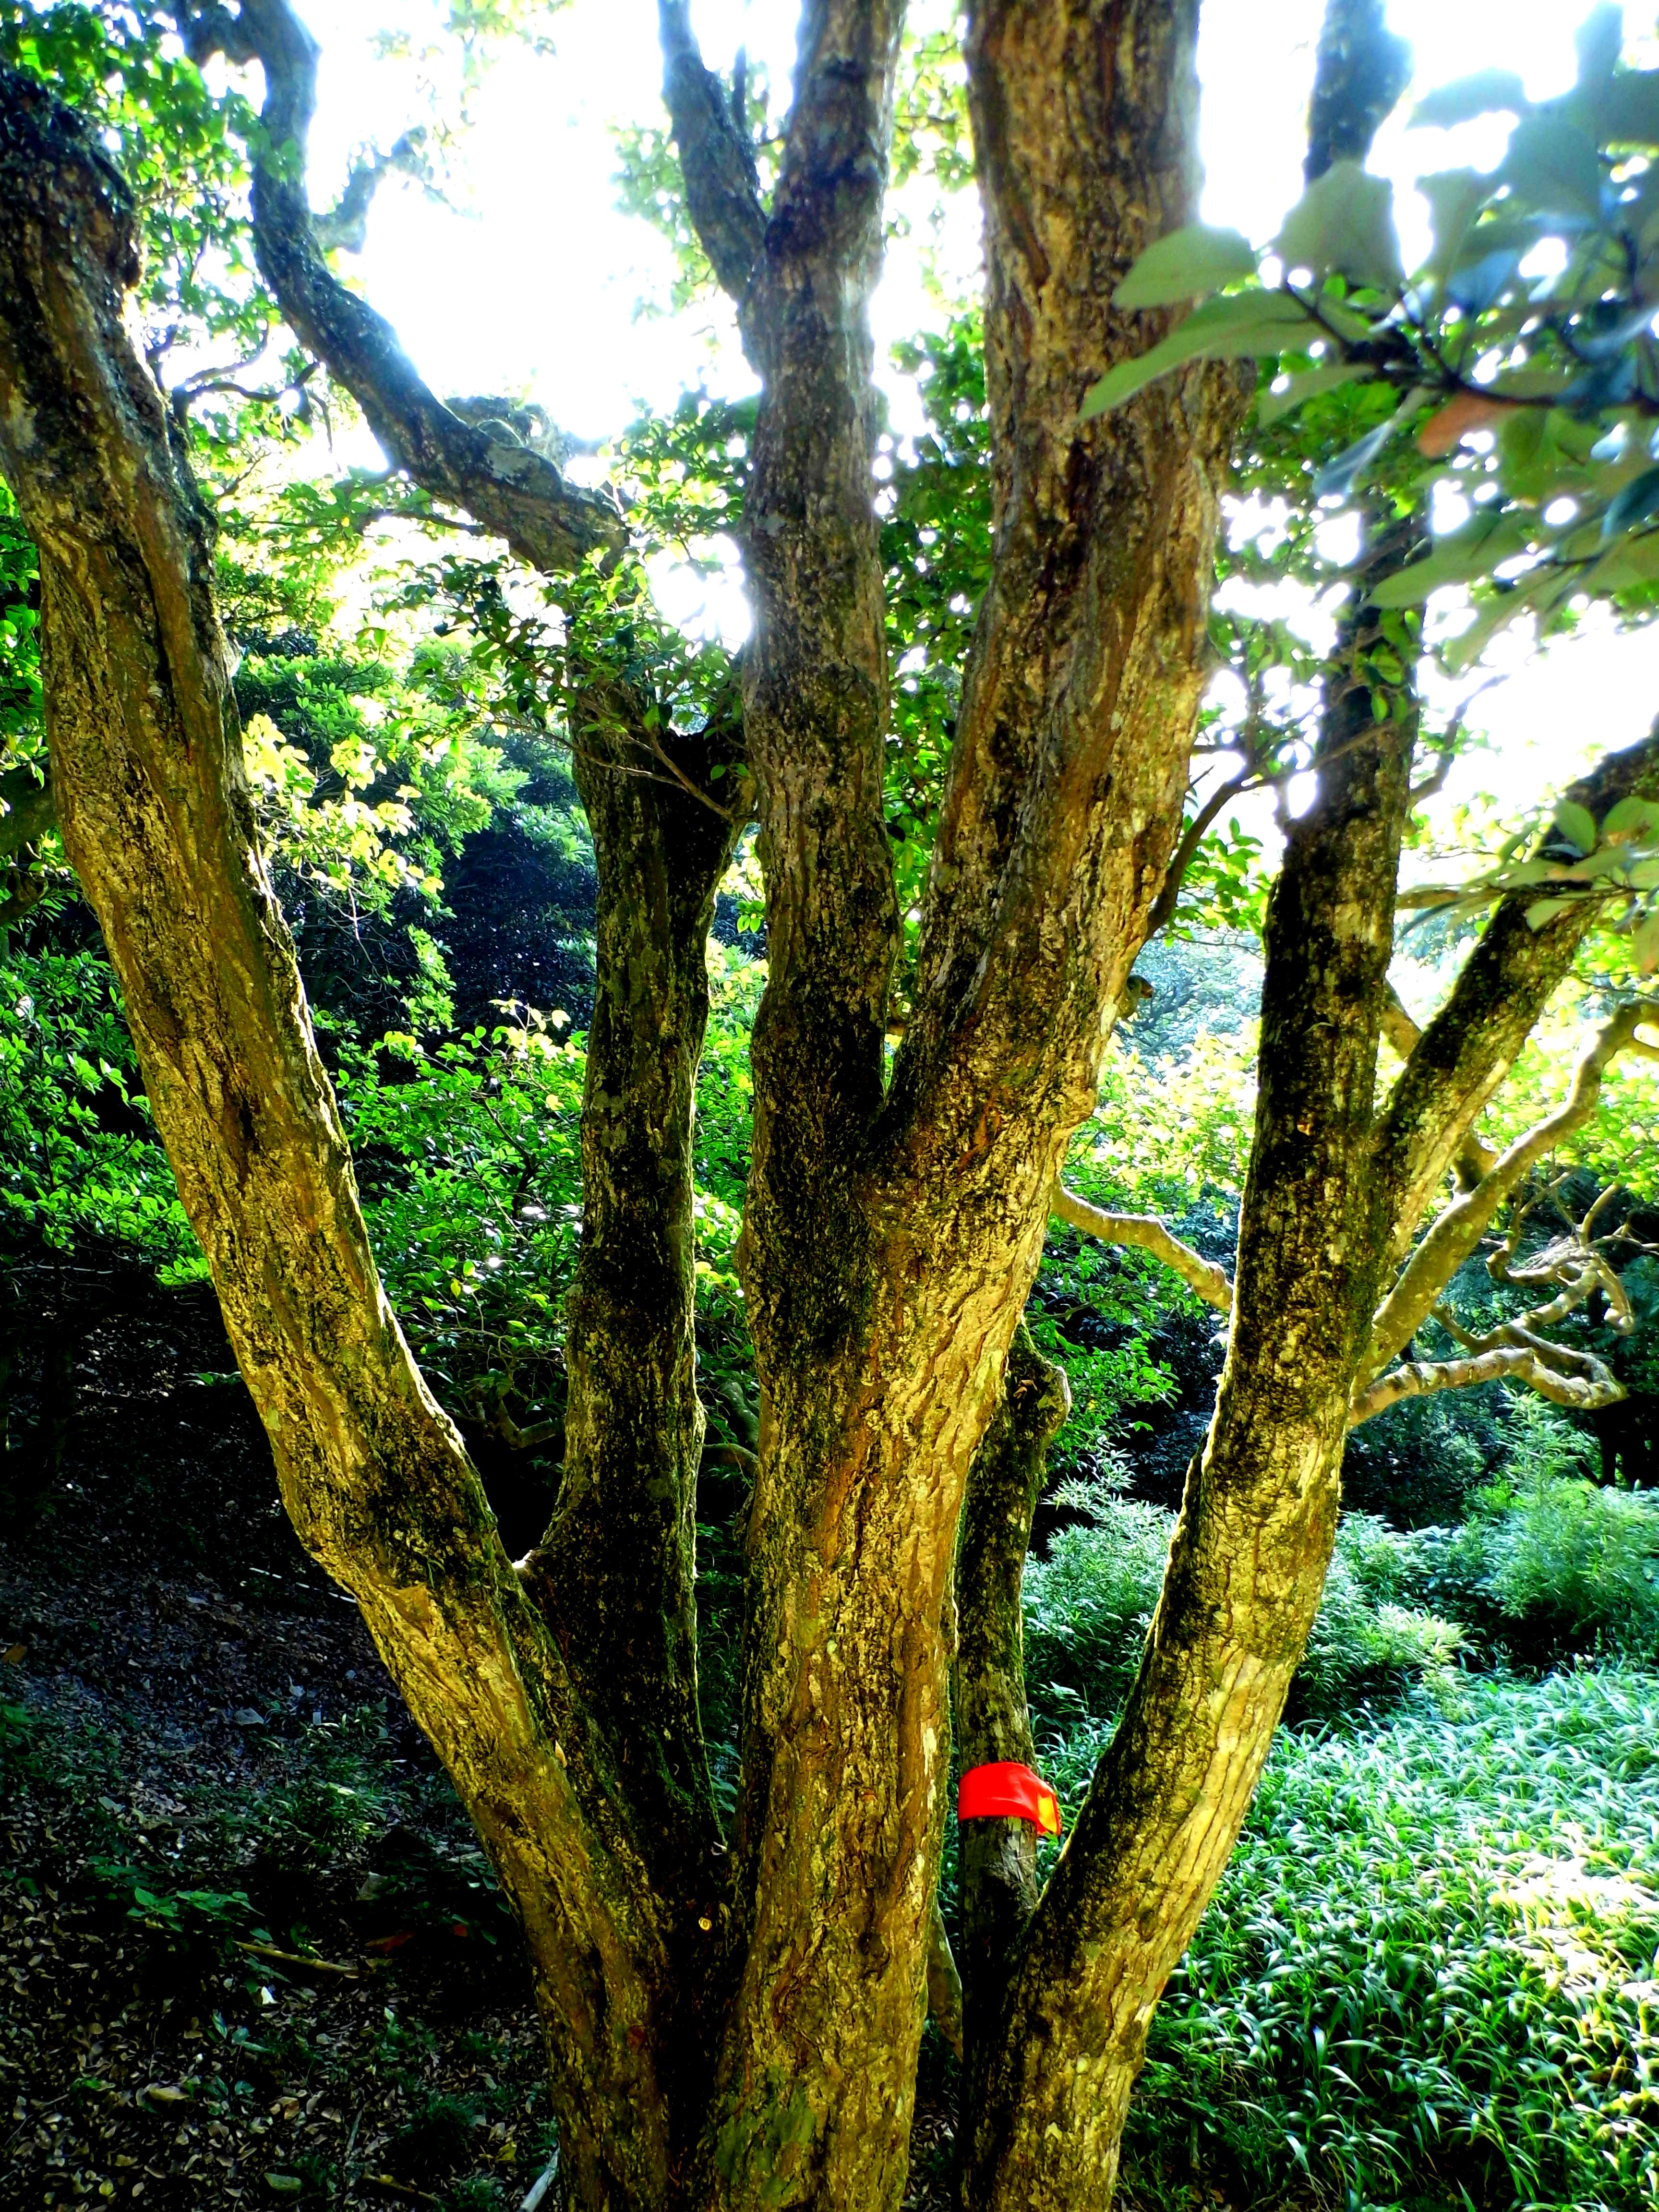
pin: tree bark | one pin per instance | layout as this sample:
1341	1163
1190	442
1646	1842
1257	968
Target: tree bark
1468	1048
998	1857
1258	1520
155	818
1257	1523
615	1575
890	1241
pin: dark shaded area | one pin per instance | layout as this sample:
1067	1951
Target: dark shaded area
518	925
202	1763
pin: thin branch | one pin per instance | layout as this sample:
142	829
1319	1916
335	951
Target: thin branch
1191	838
344	228
1147	1233
1468	1048
1460	1228
711	136
510	490
1513	1363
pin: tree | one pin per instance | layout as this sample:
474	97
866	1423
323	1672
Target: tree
734	2019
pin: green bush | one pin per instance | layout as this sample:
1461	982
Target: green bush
1578	1561
1426	1978
1088	1603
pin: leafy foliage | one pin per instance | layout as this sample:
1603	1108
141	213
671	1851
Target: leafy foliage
78	1158
1421	1978
469	1155
1088	1603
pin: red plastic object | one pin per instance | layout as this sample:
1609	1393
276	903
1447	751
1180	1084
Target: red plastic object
1008	1791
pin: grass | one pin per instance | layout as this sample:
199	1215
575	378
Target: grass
1430	1976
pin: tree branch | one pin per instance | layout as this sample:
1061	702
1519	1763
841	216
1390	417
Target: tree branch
514	491
1147	1234
717	160
1458	1230
1192	837
944	1981
156	820
1508	1364
1090	653
1258	1522
1361	70
615	1573
1469	1046
344	227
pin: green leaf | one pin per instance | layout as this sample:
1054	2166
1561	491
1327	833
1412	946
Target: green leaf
1598	41
1551	164
1543	910
1345	222
1307	384
1625	112
1629	819
1192	260
1635	503
1576	824
1486	93
1231	328
1459	557
1630	561
1455	197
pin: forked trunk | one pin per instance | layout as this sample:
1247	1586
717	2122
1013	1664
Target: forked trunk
738	2030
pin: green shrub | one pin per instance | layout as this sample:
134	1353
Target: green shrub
1427	1975
1579	1561
1088	1603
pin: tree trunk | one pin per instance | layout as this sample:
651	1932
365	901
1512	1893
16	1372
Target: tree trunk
1257	1524
155	818
998	1857
1251	1550
624	1526
891	1241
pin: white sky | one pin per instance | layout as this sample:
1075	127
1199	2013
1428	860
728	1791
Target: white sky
532	284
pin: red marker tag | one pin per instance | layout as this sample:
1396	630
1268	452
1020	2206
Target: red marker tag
1008	1791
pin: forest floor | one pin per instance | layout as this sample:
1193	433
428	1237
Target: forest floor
250	1950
